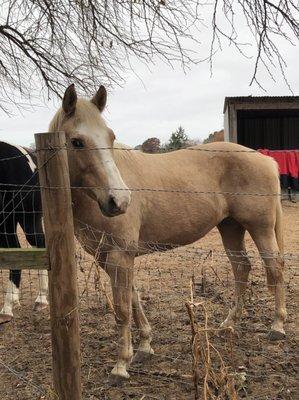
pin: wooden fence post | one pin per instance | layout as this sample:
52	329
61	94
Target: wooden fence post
63	292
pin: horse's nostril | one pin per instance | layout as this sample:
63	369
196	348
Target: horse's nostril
112	204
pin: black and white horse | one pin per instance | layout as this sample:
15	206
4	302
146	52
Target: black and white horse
20	204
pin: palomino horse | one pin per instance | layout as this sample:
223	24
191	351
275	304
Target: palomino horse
174	213
20	206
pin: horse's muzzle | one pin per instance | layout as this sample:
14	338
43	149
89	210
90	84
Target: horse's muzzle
114	207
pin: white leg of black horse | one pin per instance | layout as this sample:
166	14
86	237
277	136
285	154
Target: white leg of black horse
9	239
41	301
11	296
32	227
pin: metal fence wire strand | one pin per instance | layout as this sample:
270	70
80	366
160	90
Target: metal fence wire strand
30	188
120	147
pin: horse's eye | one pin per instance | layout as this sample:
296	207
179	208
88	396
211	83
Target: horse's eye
77	143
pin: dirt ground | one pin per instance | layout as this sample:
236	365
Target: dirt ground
260	369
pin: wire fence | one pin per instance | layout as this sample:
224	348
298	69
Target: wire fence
26	187
120	147
186	293
243	362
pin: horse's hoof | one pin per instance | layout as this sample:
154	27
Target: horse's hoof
118	379
142	356
5	318
40	306
274	335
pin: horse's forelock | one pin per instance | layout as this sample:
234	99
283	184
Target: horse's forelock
56	120
85	110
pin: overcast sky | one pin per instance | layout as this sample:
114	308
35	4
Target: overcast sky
165	98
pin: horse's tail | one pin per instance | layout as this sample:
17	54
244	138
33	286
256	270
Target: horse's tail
279	216
276	273
279	227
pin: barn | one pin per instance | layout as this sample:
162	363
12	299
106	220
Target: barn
269	124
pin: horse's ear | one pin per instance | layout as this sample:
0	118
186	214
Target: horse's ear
69	100
100	98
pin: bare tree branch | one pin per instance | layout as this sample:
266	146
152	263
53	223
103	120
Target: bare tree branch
271	24
47	43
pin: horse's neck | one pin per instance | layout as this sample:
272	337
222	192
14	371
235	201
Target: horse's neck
138	168
126	156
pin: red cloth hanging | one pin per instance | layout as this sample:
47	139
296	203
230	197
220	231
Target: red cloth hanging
287	160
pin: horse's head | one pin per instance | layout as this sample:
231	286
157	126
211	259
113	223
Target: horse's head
90	150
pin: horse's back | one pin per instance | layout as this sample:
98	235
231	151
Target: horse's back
16	165
206	184
233	161
249	181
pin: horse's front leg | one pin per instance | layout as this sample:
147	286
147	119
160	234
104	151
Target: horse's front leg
119	266
33	229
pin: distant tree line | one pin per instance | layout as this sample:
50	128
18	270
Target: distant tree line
178	140
217	136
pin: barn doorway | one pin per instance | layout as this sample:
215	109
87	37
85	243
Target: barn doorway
270	129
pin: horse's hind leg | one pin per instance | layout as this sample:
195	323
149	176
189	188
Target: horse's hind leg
265	240
32	227
232	234
41	302
144	350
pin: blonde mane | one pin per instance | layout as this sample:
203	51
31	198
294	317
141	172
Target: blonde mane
56	121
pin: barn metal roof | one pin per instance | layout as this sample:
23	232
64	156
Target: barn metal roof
260	99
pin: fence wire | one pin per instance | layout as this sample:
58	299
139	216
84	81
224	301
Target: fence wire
26	187
120	147
244	363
